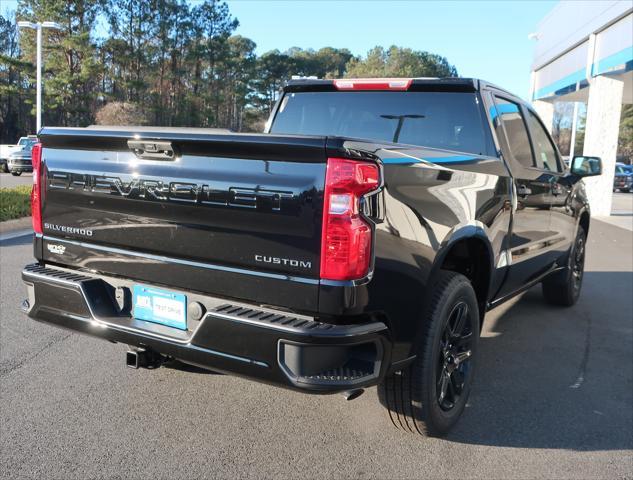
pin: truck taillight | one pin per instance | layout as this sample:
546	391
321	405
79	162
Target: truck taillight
36	191
346	236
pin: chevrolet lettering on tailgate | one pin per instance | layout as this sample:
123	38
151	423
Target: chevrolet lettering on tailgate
160	190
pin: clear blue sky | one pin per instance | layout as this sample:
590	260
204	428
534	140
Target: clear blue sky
484	39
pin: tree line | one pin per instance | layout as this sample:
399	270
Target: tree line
163	62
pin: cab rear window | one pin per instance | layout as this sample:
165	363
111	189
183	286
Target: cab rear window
446	120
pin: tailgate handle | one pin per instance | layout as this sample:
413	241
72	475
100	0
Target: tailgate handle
152	150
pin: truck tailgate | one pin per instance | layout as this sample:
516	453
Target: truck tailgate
235	215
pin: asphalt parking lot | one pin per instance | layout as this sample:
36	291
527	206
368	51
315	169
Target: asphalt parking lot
553	399
9	181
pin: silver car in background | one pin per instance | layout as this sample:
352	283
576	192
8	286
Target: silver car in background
20	161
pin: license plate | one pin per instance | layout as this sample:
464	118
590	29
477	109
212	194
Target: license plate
160	306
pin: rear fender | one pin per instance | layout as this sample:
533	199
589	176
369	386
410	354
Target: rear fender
472	230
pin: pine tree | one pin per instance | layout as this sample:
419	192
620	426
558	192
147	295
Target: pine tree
15	96
163	62
70	64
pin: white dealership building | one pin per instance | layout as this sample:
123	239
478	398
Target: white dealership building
584	54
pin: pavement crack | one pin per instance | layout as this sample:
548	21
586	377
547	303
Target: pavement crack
7	369
582	373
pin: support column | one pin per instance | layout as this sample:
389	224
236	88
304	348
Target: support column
601	138
574	126
545	110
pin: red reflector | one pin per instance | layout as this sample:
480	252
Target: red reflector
373	84
346	236
36	191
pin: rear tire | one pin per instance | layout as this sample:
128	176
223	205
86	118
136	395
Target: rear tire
563	287
16	174
429	396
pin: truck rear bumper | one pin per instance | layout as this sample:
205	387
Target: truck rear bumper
289	350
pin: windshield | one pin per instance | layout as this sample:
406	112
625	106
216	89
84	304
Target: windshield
27	143
624	169
447	120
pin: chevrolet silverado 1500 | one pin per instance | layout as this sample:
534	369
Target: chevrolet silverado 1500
359	241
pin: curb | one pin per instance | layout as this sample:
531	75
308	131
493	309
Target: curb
16	224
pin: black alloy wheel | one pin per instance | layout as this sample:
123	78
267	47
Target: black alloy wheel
428	396
453	366
578	264
563	287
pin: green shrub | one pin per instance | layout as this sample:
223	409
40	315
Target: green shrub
15	202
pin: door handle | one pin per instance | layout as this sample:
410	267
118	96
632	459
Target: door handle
152	149
523	191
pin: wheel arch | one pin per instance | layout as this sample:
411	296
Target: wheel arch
585	220
469	252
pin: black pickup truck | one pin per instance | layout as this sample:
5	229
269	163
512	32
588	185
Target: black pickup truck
359	241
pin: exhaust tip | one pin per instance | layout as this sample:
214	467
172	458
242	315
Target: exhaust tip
353	394
25	306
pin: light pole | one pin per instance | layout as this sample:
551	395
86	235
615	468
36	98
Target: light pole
37	26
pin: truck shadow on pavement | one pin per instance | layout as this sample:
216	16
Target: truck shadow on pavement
14	242
554	377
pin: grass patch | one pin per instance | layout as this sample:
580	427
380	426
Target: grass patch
15	202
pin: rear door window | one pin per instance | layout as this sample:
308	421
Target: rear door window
446	120
513	122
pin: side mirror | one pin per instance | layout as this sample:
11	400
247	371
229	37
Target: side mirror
586	166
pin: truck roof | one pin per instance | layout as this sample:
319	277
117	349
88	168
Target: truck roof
446	84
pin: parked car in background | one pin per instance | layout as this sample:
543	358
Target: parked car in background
7	150
623	179
20	161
